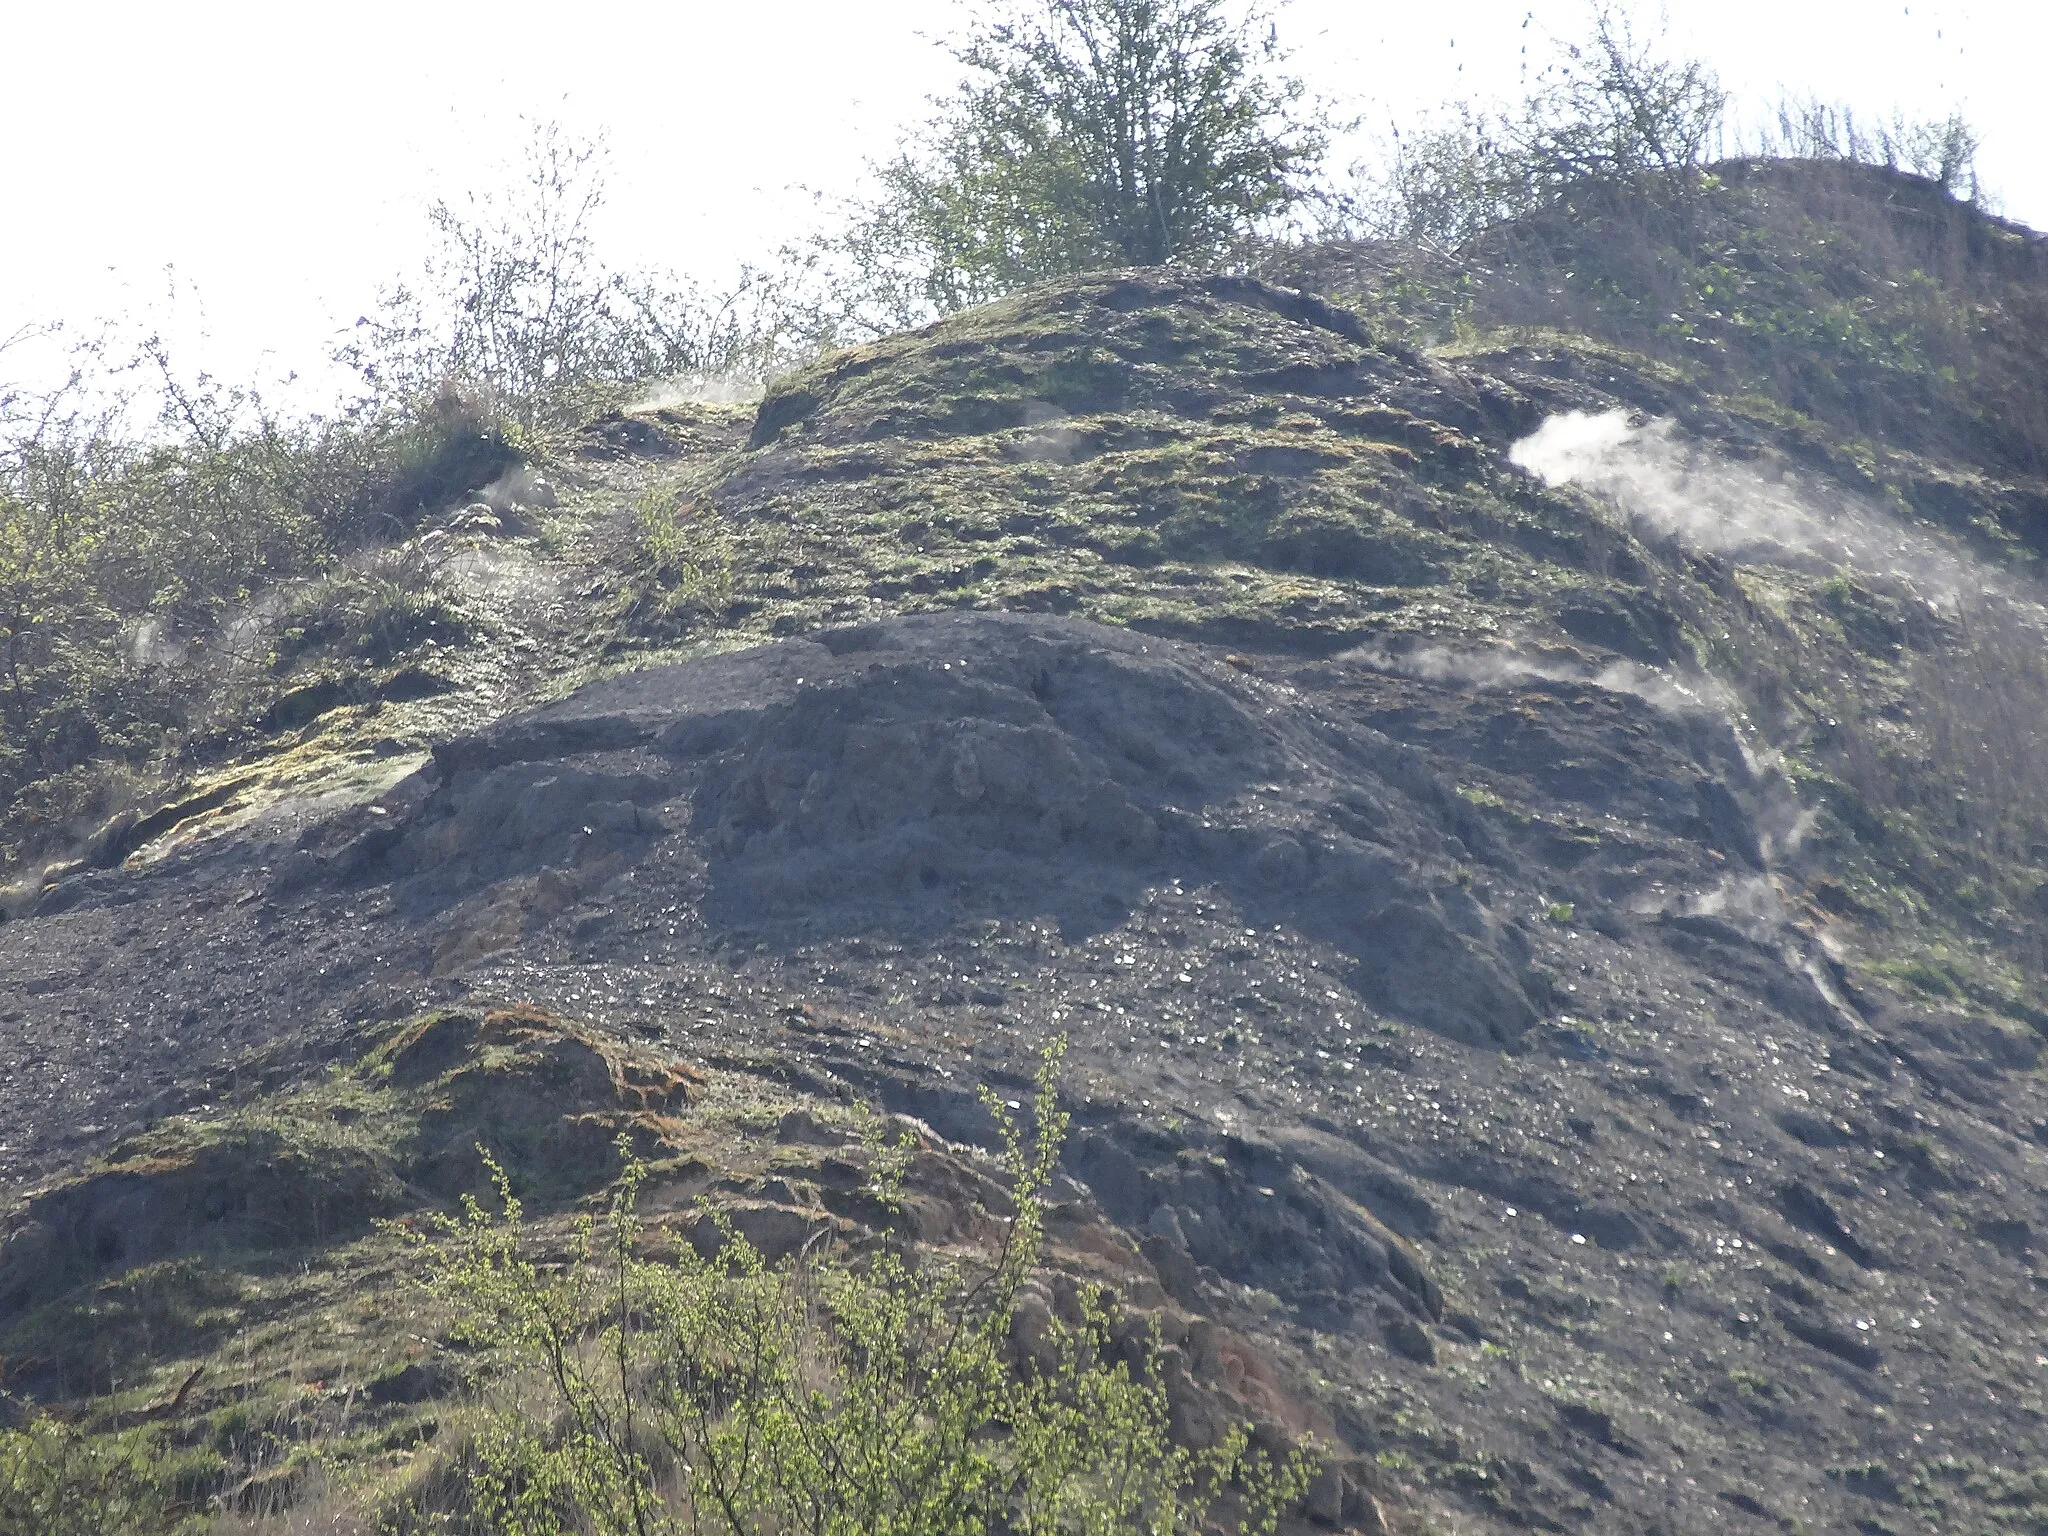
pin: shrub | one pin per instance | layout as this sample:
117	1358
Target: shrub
723	1394
139	571
391	467
516	305
1087	134
372	608
1608	114
679	568
58	1481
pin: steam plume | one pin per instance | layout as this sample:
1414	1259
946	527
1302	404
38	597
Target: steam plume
1685	491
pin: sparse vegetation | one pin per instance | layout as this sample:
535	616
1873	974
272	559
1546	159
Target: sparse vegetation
722	1393
173	549
516	302
629	1376
679	568
1610	120
1827	269
146	581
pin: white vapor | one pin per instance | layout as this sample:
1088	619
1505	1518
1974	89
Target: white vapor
1504	666
1711	503
699	389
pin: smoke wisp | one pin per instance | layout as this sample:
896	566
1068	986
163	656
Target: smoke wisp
1683	490
700	389
1505	667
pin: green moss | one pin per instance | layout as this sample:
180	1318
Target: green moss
244	1259
1183	460
1923	976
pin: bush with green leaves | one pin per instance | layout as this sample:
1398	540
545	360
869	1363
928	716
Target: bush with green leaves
135	563
819	1395
57	1480
1088	134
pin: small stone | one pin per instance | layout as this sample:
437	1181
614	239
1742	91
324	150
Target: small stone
1405	1336
1165	1222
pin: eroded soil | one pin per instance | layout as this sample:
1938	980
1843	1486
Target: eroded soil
1473	1043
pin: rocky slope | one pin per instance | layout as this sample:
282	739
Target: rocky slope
1547	912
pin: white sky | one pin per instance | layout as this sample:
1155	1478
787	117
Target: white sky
280	156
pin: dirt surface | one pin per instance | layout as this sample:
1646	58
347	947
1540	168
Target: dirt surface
1399	1004
1495	1052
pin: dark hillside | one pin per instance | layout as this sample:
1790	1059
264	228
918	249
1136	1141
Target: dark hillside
1537	834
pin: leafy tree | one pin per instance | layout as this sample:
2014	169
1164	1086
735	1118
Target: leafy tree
1088	134
1614	109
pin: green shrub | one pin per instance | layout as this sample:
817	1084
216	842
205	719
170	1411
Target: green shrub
56	1480
679	569
375	482
723	1394
371	608
139	573
1086	135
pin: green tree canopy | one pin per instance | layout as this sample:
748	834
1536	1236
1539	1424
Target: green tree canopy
1087	134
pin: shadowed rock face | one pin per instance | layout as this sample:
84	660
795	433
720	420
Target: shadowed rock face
993	767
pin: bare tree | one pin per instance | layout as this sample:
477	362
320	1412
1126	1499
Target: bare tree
517	303
1943	151
1612	110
